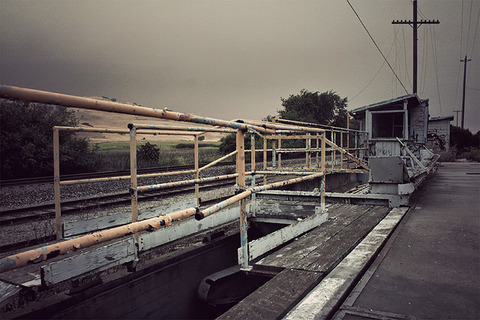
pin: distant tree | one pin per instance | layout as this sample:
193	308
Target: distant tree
228	143
26	141
463	139
148	154
326	108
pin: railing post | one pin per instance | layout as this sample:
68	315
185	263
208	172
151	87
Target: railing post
252	155
133	173
323	153
243	202
333	150
308	147
279	154
341	146
264	159
274	154
56	183
197	173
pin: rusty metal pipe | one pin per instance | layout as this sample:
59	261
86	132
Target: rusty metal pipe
31	95
41	254
146	175
217	161
167	127
276	126
217	207
184	182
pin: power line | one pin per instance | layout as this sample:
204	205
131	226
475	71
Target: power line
435	63
469	21
376	74
476	27
348	1
405	56
461	32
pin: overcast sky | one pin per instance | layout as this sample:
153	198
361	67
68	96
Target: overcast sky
236	59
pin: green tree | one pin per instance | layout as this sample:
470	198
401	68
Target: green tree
26	141
463	139
148	154
326	108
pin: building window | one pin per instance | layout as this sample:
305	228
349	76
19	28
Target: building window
387	125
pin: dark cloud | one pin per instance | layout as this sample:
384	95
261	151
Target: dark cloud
234	59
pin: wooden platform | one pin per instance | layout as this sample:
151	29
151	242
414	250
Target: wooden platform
305	261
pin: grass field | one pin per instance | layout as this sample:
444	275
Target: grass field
125	146
116	155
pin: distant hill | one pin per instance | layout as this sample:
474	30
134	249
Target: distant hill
99	119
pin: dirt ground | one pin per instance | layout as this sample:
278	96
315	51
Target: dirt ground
102	120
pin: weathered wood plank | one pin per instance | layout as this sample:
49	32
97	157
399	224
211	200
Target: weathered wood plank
320	302
105	256
339	217
325	257
276	297
258	247
285	209
187	227
74	228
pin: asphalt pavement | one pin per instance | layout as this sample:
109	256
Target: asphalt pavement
430	269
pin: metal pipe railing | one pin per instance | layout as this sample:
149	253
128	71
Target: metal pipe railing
182	183
41	254
242	195
31	95
167	127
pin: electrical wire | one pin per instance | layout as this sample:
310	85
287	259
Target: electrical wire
461	50
469	21
435	63
405	56
461	32
348	1
476	28
376	74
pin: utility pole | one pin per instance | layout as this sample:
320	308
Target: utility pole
464	84
415	24
456	115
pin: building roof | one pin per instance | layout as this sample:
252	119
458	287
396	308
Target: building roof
441	118
385	103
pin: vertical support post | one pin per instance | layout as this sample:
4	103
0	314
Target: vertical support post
308	146
367	153
252	154
322	194
133	173
316	153
279	154
323	154
274	154
357	154
333	150
254	197
264	159
56	183
197	174
243	202
341	146
348	132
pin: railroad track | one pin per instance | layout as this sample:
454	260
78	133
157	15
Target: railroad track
69	207
104	174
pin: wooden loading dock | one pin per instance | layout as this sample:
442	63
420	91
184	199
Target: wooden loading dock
319	244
